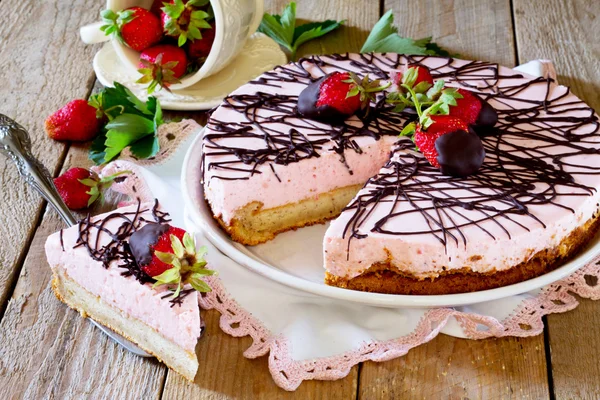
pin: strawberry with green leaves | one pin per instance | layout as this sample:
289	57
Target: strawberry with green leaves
137	27
185	19
418	73
336	96
445	141
168	255
199	49
77	121
475	111
161	66
80	188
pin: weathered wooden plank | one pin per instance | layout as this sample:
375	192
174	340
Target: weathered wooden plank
43	64
448	367
566	33
475	30
224	373
49	351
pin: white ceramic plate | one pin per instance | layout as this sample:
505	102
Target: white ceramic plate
295	258
260	54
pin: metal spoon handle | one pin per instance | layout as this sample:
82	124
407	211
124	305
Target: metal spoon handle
16	145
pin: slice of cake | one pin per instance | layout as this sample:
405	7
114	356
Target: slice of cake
122	270
500	183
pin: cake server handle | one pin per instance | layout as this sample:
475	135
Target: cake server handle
15	144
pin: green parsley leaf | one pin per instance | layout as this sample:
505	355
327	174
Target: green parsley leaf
283	29
408	130
384	38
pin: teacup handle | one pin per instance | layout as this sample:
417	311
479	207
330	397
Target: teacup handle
91	34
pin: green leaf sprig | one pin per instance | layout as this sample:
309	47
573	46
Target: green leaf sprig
185	20
187	266
435	98
131	123
384	38
113	21
98	185
282	28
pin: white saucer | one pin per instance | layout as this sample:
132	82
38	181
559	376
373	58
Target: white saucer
260	54
295	258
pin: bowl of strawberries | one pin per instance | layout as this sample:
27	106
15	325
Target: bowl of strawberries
173	44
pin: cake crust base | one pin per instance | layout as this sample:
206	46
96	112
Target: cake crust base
89	305
385	278
254	225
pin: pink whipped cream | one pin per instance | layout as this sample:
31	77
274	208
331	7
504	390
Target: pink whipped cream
423	256
180	323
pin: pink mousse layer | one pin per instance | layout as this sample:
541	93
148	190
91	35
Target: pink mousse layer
180	324
305	179
423	256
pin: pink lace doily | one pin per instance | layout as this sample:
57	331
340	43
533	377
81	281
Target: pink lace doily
525	319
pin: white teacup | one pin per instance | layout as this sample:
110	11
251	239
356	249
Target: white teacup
235	21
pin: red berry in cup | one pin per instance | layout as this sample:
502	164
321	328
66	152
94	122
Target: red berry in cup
137	27
162	65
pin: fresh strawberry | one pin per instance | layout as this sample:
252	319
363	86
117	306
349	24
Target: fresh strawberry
156	8
200	48
183	19
168	255
422	75
425	139
334	92
445	140
467	108
76	121
163	244
473	110
162	65
79	187
337	96
135	26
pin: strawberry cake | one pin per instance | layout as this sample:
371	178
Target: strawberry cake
441	175
116	268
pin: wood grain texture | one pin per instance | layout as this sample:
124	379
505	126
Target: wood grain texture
44	64
224	373
566	32
448	367
360	16
474	29
49	351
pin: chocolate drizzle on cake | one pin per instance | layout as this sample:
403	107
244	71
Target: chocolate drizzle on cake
515	178
118	247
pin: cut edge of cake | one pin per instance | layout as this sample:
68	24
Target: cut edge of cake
254	225
384	277
88	305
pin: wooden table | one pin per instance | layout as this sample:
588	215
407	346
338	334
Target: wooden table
48	351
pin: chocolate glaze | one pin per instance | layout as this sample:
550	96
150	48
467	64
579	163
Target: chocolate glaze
141	241
307	105
512	178
460	153
118	249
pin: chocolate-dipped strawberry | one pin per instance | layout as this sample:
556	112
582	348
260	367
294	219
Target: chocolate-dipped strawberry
474	111
168	255
336	96
445	141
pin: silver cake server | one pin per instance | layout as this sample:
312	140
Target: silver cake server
15	144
